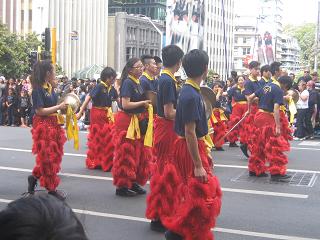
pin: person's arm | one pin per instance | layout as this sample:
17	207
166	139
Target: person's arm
304	96
84	106
276	110
169	111
50	110
128	105
192	143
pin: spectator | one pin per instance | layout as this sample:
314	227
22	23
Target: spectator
2	98
314	76
313	102
10	104
40	217
24	108
306	77
215	77
304	127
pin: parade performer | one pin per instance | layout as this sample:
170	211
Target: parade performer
218	118
265	75
251	86
47	134
147	79
198	194
269	143
239	108
162	183
286	131
100	145
132	135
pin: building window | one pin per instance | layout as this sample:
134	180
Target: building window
128	53
246	51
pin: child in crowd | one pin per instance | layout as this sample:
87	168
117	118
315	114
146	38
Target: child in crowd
10	103
24	108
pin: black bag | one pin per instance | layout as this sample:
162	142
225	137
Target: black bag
143	125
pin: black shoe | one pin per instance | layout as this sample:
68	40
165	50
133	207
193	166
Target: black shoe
281	178
125	192
32	183
244	149
156	225
233	144
172	236
138	189
59	195
219	149
253	174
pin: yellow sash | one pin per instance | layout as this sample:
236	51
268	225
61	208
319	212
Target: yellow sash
106	86
47	86
60	118
147	76
72	127
109	112
134	79
166	71
222	116
133	131
292	109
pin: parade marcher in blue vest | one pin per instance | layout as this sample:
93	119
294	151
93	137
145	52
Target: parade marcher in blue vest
147	79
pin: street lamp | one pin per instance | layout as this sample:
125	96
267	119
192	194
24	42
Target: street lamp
157	29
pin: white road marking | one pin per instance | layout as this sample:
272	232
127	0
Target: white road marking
29	151
217	229
234	190
309	143
303	148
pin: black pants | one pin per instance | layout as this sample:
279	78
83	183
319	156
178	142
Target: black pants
304	125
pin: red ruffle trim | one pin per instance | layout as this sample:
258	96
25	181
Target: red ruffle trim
162	197
197	210
132	161
48	140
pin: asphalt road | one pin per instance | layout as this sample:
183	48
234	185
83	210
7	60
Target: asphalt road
251	210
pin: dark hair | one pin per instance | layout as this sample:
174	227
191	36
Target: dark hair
157	59
125	72
40	217
106	73
234	74
171	55
275	67
195	63
40	70
145	59
253	64
285	80
217	83
265	68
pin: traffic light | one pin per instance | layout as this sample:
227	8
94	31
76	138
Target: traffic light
45	55
33	58
46	39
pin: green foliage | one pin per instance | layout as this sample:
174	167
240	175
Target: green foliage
210	77
14	52
305	35
59	70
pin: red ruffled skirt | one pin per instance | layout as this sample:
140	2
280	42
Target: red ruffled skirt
219	129
267	147
249	129
238	111
196	205
132	160
162	183
48	140
100	144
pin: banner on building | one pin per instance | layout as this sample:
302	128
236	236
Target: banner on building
185	22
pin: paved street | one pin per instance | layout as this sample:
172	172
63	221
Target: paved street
252	208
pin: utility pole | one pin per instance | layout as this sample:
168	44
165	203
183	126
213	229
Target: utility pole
317	41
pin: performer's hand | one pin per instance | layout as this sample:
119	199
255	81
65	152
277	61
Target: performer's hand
146	103
201	174
278	131
79	115
63	106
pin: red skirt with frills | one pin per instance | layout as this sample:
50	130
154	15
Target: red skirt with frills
162	183
238	111
100	144
48	140
132	162
196	205
219	129
267	147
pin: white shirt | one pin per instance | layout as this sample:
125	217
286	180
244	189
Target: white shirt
303	104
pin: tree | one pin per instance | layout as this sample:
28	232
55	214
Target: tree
14	52
305	35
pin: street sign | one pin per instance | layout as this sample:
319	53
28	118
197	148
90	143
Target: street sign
74	35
